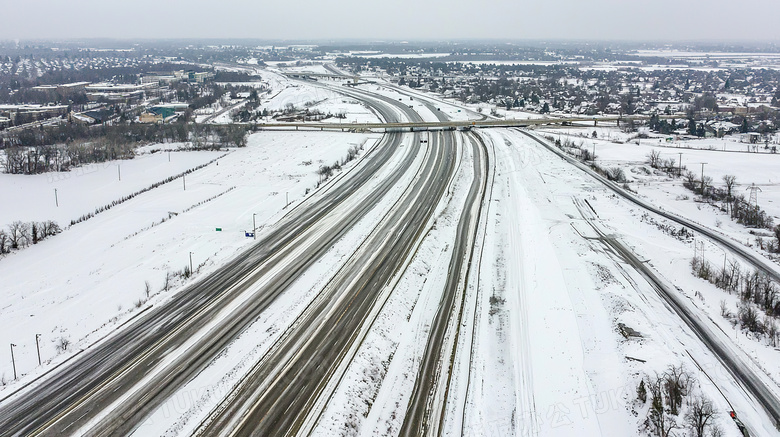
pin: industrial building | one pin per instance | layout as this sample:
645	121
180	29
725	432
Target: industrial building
119	93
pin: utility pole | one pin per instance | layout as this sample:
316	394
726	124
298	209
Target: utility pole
38	347
190	263
13	361
184	181
119	172
679	170
169	156
254	227
286	199
702	178
56	199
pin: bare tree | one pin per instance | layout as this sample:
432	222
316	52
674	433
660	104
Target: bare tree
167	282
18	234
676	382
653	158
659	419
729	181
49	228
700	416
690	180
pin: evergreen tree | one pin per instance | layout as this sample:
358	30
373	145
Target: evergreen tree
545	108
745	126
641	391
691	126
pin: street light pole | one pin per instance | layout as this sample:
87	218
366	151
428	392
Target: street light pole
254	227
56	199
190	263
38	347
13	362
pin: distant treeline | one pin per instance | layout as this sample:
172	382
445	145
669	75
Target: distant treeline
61	148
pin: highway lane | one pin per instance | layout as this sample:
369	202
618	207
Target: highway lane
276	397
741	372
425	411
98	377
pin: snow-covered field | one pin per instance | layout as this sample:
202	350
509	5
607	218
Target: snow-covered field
572	323
312	95
81	284
81	190
749	168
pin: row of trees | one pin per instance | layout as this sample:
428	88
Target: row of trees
757	293
614	174
41	159
124	199
20	234
669	166
739	208
44	153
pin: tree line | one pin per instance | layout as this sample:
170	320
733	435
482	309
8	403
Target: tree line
757	293
61	148
19	235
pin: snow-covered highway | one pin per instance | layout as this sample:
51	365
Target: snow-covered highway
472	282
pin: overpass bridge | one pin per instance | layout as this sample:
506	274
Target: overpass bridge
447	125
305	75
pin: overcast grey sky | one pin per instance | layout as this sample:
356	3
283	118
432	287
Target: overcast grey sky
399	19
